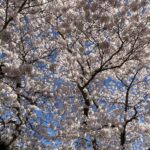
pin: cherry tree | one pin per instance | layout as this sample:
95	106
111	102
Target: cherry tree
24	82
128	102
96	38
74	74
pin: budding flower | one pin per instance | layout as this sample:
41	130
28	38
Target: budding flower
33	107
134	6
33	115
26	68
16	104
5	36
104	19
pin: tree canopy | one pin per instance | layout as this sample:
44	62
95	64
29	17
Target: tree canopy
74	74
